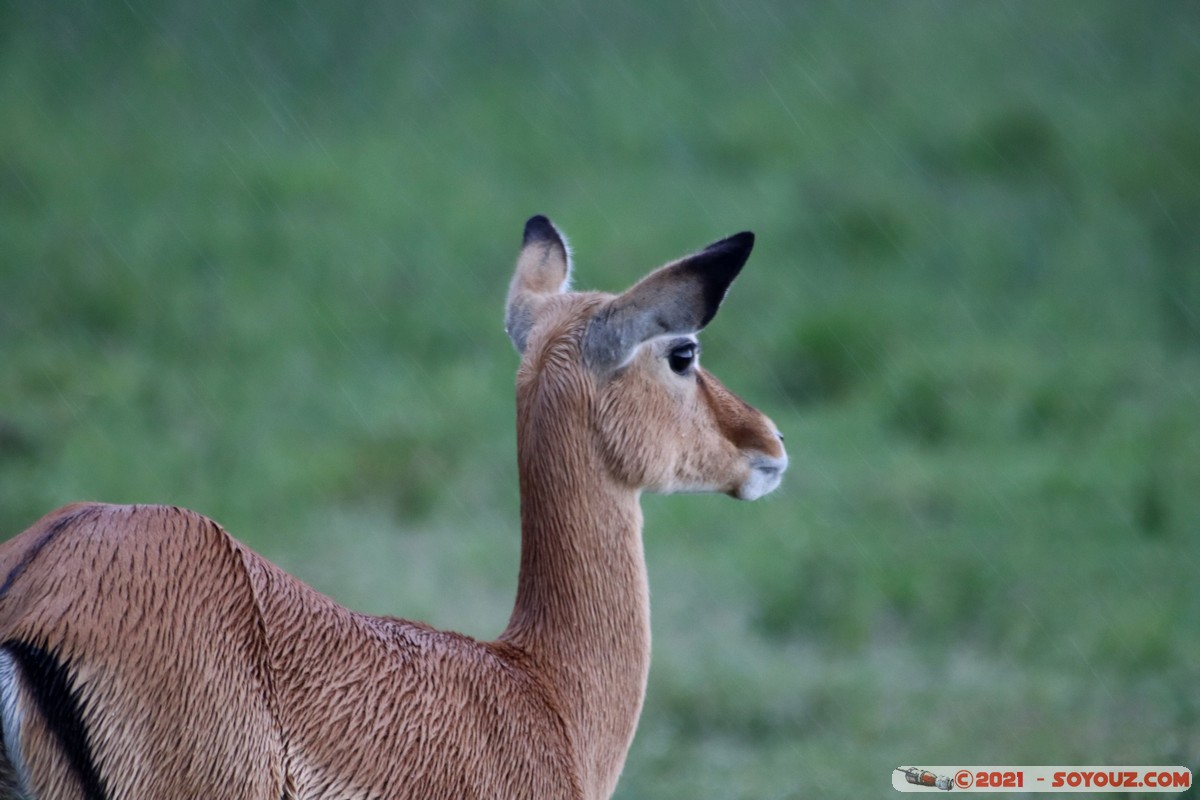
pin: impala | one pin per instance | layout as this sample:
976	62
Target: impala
145	653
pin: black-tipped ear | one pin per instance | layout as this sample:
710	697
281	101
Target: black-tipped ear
543	268
680	298
540	229
716	266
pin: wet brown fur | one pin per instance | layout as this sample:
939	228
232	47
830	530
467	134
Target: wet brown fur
202	670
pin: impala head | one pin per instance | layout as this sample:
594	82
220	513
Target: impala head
626	370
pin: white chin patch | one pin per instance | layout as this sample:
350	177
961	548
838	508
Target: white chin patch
765	476
758	484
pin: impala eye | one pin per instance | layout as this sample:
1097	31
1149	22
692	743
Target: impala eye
681	358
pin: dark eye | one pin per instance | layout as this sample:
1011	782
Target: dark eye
681	358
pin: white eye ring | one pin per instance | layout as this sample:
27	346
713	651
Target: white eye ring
681	358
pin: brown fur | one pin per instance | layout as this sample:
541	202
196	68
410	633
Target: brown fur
202	670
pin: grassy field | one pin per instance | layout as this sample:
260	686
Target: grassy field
253	260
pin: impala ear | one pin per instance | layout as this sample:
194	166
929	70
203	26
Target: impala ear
543	269
680	298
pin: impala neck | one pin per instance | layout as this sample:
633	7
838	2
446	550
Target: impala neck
582	611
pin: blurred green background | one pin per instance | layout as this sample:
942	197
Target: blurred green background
253	258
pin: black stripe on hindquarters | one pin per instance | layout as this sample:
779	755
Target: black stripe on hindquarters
51	533
49	681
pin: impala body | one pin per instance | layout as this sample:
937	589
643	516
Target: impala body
145	653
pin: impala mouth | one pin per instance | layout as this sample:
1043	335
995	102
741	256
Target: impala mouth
766	473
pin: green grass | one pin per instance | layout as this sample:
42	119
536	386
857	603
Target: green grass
253	258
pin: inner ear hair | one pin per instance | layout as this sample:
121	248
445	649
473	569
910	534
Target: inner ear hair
543	268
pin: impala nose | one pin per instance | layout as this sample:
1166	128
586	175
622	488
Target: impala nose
766	473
